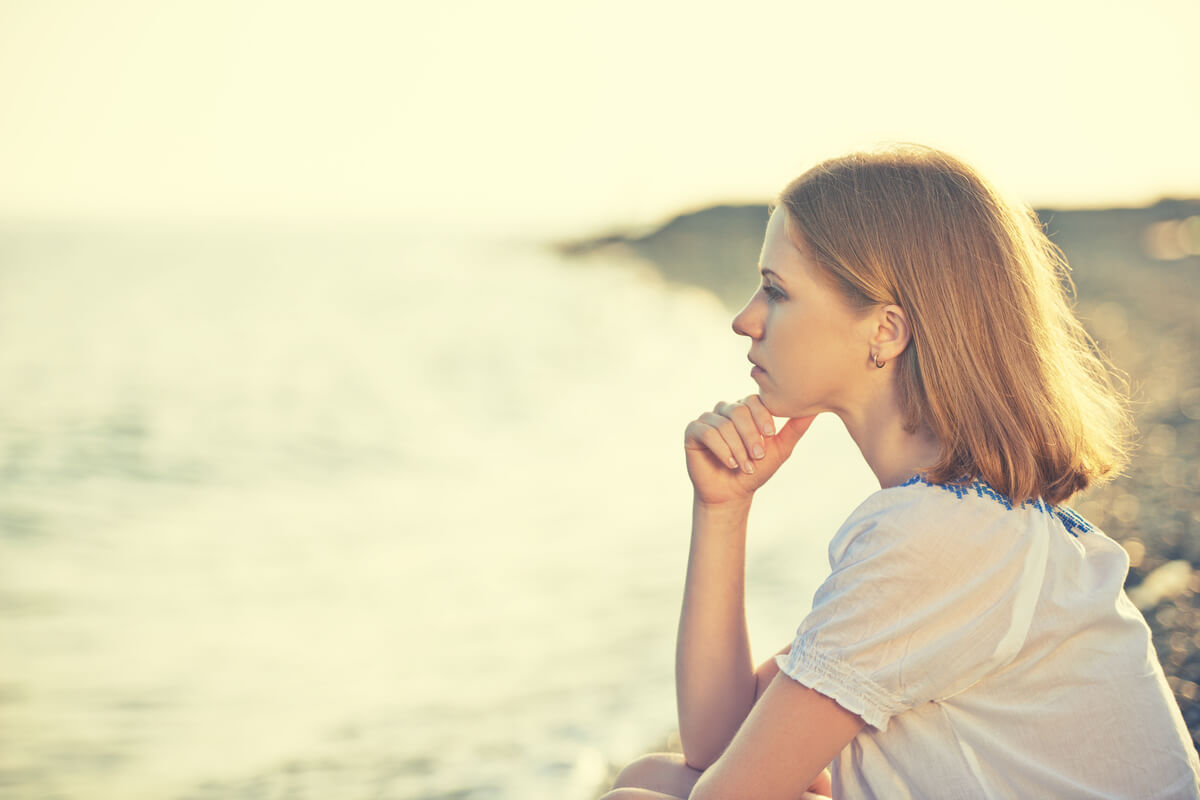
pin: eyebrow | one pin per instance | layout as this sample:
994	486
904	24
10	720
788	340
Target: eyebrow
772	273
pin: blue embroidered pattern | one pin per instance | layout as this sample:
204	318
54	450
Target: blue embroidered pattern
1074	523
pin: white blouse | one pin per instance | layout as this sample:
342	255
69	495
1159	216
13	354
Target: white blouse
992	652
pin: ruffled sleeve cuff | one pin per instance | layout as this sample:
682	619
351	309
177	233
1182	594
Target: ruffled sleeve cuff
842	684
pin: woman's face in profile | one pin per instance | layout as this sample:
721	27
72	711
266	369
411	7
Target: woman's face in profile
810	349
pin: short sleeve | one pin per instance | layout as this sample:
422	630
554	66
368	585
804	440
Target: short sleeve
924	599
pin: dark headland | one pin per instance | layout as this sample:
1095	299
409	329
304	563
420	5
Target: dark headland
1137	287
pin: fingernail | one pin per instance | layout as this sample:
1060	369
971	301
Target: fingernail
749	467
769	429
758	451
733	462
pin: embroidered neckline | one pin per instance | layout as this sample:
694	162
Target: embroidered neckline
1069	518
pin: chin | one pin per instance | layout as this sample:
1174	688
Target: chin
783	408
775	406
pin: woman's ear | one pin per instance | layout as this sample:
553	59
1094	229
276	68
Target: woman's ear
891	333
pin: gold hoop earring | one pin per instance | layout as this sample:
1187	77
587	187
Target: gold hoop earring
875	358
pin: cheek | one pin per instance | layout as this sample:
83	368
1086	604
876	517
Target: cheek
799	346
812	357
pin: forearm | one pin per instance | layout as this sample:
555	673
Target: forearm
714	674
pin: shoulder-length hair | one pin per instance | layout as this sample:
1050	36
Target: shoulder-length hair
998	366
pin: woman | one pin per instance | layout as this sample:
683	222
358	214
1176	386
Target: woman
973	638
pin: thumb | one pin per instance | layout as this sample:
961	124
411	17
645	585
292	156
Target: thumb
791	432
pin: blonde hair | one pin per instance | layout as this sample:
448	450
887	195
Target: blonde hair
998	366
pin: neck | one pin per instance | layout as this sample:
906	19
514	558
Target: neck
892	453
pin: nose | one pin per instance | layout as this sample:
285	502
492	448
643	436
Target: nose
748	321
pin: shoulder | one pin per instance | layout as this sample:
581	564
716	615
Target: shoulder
931	588
941	523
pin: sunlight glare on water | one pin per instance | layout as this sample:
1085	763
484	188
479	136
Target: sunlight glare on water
356	515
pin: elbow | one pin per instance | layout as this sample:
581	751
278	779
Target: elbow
699	758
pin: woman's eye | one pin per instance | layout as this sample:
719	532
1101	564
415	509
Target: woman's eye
772	293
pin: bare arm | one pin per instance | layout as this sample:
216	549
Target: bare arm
786	741
715	684
731	452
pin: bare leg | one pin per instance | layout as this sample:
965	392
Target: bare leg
665	773
665	776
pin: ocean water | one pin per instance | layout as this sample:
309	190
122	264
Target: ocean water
292	514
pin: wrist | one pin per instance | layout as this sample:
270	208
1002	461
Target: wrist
725	511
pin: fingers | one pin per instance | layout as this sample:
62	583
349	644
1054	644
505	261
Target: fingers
762	417
734	433
746	426
723	430
709	438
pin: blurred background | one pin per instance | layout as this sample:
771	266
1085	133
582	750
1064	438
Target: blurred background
346	351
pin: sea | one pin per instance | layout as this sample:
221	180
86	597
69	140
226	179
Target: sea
371	513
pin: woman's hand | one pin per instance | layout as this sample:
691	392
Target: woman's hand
734	449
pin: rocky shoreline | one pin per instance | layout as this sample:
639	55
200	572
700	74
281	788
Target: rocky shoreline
1137	278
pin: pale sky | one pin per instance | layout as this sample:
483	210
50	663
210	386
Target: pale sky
550	116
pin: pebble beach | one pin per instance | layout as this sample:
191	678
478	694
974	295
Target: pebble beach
1140	297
